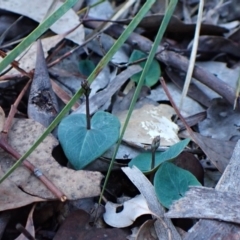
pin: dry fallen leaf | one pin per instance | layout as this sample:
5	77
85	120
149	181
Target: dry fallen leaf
12	197
74	184
222	121
28	57
38	10
206	203
218	151
147	231
148	122
132	209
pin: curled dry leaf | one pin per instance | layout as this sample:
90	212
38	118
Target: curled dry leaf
74	184
147	231
132	209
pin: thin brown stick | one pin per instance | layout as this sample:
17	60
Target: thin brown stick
24	231
15	64
190	131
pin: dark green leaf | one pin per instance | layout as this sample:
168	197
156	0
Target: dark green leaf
144	160
86	67
153	73
83	146
172	182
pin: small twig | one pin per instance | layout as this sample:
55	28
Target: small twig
175	107
8	148
54	53
24	231
15	64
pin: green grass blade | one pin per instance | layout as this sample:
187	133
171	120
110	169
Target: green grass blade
90	79
43	27
162	29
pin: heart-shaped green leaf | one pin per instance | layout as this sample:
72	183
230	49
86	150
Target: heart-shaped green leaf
144	160
86	67
172	182
153	73
83	146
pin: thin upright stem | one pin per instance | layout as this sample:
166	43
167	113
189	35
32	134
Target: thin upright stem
154	146
88	113
87	91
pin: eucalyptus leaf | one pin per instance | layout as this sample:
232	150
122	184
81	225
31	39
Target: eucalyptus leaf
81	145
172	182
144	160
153	73
86	67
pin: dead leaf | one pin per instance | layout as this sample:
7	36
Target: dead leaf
202	202
28	58
195	94
149	122
77	227
130	211
37	11
75	184
190	106
147	231
12	197
222	121
13	26
221	71
218	151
